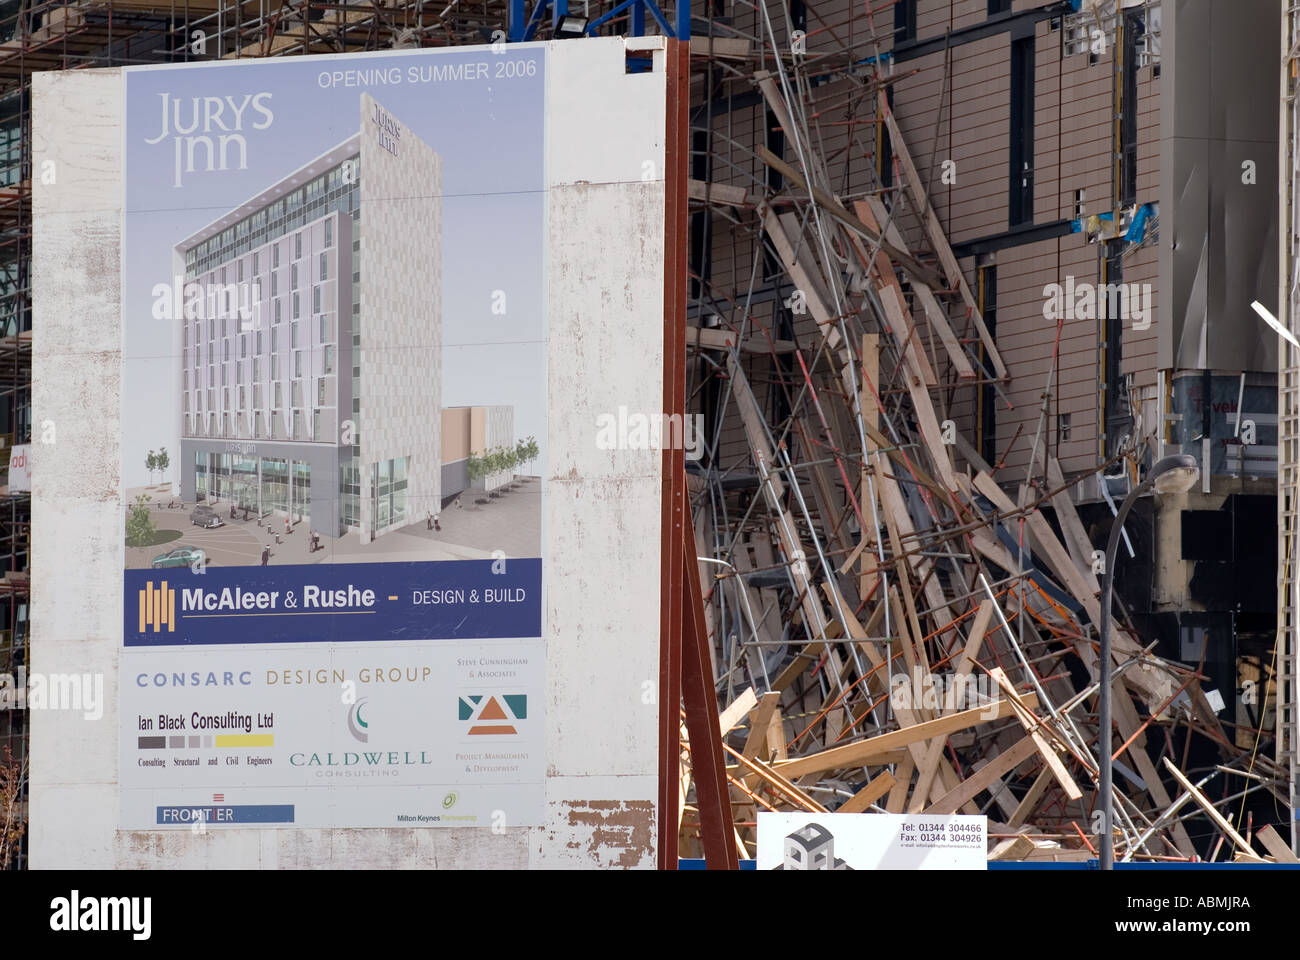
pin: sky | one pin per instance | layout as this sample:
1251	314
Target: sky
487	126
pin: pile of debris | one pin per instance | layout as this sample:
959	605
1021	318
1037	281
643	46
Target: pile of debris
891	629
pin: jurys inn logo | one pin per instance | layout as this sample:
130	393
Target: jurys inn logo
207	134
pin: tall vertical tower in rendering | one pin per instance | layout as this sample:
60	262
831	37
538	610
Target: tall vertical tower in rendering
398	380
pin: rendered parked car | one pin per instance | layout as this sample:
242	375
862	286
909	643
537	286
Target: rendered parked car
180	557
205	516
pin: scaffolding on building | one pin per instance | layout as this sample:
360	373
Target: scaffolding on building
848	542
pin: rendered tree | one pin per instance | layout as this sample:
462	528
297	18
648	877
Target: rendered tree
163	461
475	469
139	523
151	464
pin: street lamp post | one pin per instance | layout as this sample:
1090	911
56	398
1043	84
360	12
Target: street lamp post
1174	474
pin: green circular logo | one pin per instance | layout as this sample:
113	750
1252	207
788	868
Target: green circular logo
449	801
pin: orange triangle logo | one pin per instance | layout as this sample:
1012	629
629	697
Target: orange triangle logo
492	711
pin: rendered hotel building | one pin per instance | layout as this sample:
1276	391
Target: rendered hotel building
325	403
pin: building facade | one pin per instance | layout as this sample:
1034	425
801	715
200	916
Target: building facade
310	385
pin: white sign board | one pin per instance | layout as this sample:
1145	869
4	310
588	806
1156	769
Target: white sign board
328	622
530	753
303	737
20	468
871	841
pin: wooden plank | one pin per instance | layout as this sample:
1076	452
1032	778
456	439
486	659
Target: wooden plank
759	719
717	193
922	406
777	780
904	333
1029	802
873	214
720	338
1127	722
1016	848
881	784
938	318
867	575
776	735
1076	537
934	230
863	752
728	48
898	795
1047	548
1210	811
1032	724
804	659
805	281
768	626
972	786
808	258
946	776
898	522
774	489
730	718
970	653
832	206
1274	844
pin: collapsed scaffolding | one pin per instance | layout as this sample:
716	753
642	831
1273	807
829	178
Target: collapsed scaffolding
892	629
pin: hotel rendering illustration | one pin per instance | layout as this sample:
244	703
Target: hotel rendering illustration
321	397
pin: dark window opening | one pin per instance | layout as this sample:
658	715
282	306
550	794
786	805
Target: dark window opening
1134	31
987	422
999	6
885	153
1118	415
701	220
904	21
1021	201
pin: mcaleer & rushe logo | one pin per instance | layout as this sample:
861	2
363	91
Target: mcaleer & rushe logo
157	607
156	603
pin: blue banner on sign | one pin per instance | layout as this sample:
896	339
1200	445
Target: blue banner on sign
333	603
226	813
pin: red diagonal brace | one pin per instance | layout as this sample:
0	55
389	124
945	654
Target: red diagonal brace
708	768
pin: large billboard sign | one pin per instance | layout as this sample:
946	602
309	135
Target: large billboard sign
334	385
327	344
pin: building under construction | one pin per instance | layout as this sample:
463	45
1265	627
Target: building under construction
961	277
